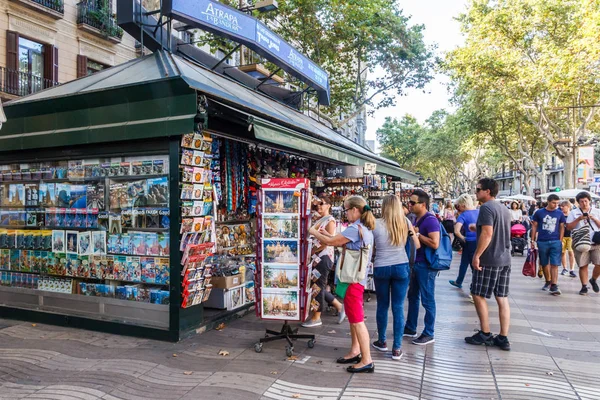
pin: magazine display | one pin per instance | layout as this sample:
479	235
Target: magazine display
87	227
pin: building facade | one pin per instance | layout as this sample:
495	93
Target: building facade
512	182
47	42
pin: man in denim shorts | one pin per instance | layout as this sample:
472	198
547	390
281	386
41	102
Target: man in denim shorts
491	265
548	228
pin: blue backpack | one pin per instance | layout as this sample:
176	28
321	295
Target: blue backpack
441	258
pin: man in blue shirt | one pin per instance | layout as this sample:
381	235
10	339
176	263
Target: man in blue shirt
548	227
422	280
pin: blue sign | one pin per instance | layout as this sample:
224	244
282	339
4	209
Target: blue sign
223	20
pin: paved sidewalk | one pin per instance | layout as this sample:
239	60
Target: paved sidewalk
555	340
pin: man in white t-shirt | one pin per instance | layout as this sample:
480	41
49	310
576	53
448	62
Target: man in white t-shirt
580	217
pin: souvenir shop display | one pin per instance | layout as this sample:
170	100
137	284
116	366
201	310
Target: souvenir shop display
283	284
102	223
198	157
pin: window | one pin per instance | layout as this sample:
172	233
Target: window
93	67
31	65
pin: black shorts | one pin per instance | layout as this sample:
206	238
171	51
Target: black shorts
491	280
448	225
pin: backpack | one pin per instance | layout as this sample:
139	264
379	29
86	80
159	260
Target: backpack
441	258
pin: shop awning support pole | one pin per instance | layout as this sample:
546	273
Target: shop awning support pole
267	78
236	48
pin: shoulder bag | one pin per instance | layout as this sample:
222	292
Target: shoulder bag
352	264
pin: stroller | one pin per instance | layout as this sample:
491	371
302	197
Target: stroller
517	239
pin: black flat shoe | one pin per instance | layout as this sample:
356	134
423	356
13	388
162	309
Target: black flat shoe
367	368
352	360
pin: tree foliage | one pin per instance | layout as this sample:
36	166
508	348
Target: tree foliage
533	59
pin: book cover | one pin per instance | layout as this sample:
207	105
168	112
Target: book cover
63	195
112	243
134	271
84	267
28	240
46	240
137	168
98	242
125	168
120	268
78	196
158	191
148	270
16	195
136	239
20	239
165	220
47	192
75	169
95	196
138	218
32	218
126	218
152	246
141	246
92	219
115	193
80	218
123	243
15	257
36	260
105	170
59	218
4	259
25	261
26	174
72	266
70	214
115	223
158	167
162	271
147	167
136	194
37	240
163	244
103	220
32	197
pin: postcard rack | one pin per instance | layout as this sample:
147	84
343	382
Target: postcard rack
283	283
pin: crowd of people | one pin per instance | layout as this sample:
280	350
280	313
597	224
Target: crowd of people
403	244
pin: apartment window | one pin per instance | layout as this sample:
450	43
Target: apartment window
31	65
93	67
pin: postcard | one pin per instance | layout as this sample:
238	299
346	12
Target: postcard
71	242
280	227
186	157
187	140
281	201
16	195
280	305
198	192
84	243
280	276
58	241
187	191
98	242
32	197
278	251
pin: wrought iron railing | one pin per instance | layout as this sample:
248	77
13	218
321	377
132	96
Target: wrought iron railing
56	5
22	83
99	18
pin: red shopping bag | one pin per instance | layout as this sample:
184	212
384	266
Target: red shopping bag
530	263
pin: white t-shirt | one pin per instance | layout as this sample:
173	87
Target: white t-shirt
576	213
515	215
385	253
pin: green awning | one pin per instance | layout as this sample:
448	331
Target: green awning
272	133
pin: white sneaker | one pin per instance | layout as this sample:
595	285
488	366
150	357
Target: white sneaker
342	316
311	324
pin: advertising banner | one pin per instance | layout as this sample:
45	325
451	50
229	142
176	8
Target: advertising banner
585	164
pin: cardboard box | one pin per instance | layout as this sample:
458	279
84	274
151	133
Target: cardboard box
226	282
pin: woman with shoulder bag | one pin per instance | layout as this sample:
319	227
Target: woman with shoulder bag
585	219
357	237
391	270
325	253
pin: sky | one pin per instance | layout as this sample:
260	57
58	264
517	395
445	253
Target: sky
441	29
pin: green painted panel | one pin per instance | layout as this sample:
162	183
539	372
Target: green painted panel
108	114
44	122
68	119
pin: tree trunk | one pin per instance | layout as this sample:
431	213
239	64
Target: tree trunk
568	162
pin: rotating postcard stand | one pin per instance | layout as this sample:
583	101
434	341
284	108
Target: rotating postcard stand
282	269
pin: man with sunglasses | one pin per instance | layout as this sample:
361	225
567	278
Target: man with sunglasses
491	265
422	280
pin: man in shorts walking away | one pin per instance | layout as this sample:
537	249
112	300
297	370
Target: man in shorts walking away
491	265
547	231
567	244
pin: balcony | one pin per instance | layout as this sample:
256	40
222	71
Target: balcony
52	8
98	21
16	84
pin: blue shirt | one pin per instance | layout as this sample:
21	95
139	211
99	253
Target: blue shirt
548	224
427	223
355	243
467	218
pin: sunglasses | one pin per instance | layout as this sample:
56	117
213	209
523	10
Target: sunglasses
412	203
479	189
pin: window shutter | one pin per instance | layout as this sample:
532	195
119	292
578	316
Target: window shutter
81	66
12	62
55	67
50	65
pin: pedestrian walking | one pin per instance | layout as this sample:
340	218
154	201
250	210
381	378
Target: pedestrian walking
422	281
586	216
491	265
391	270
354	237
516	215
568	257
547	232
466	219
325	253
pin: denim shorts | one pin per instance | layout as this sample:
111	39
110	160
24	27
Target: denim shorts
550	252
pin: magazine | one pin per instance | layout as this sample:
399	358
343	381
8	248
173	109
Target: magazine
95	196
47	194
58	241
98	242
63	195
83	243
158	191
31	194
